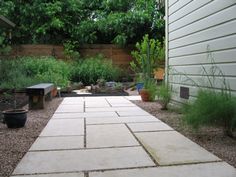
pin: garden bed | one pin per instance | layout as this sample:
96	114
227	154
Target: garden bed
211	138
16	142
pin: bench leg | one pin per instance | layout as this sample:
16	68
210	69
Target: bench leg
36	102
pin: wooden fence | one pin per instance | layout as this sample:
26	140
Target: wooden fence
119	56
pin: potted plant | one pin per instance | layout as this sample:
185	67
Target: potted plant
149	91
146	59
15	118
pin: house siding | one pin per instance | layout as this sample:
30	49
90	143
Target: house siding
196	32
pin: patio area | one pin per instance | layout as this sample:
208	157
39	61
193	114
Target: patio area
111	136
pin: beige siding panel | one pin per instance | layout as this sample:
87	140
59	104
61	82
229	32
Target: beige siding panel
187	9
211	33
171	2
228	69
217	44
226	56
209	9
222	16
202	80
178	5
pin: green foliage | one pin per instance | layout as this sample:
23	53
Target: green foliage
27	71
148	54
211	108
48	69
13	75
89	70
70	50
164	95
5	48
151	86
97	21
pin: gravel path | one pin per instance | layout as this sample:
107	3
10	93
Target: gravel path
16	142
210	138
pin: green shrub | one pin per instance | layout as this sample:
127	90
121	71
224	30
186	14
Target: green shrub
89	70
48	69
26	71
164	95
212	108
13	75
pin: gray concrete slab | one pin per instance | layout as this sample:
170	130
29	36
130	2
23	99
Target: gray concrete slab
58	143
123	105
70	108
54	175
82	160
151	126
64	127
133	98
118	120
170	148
112	109
133	113
115	135
197	170
84	115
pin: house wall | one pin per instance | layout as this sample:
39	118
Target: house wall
196	33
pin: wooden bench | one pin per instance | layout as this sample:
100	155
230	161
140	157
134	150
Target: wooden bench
38	94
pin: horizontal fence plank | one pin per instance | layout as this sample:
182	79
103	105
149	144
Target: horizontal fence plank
205	11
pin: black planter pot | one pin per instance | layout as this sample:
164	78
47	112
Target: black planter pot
15	118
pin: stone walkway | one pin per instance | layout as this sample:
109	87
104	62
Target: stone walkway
112	137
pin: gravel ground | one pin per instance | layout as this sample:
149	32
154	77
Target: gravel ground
16	142
211	138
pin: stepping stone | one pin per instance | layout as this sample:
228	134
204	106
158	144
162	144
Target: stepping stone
133	113
133	98
123	105
55	175
112	109
82	160
64	127
220	169
137	119
171	148
84	115
58	143
70	108
109	136
153	126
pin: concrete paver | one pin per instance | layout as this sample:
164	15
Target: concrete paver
109	136
64	127
134	119
220	169
82	160
84	115
54	175
58	143
70	108
153	126
133	113
102	142
171	148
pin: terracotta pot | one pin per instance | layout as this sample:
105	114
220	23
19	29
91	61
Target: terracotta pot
144	95
54	92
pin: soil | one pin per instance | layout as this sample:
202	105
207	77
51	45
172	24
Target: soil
211	138
16	142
